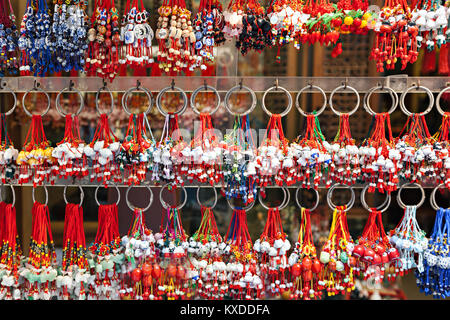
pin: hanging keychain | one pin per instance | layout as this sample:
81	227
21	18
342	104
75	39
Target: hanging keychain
11	252
139	250
205	161
434	278
206	249
431	19
69	31
344	167
176	38
69	152
305	267
239	149
9	63
172	245
374	254
395	36
378	156
407	237
273	150
310	159
208	24
286	20
102	56
8	154
415	143
136	34
337	252
36	160
104	146
272	248
74	276
442	144
133	156
243	277
172	150
40	272
37	50
105	256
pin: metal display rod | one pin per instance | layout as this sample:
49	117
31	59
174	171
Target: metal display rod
398	83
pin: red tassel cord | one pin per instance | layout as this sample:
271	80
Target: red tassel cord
379	158
442	149
171	244
176	38
306	270
444	58
11	254
397	41
35	160
272	248
135	151
170	153
69	152
375	257
105	256
310	158
206	248
208	24
136	50
102	56
75	268
139	246
102	151
238	150
205	162
418	157
40	271
243	277
8	154
344	167
271	154
337	256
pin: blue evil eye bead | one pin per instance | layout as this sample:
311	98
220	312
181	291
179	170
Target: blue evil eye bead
198	45
198	35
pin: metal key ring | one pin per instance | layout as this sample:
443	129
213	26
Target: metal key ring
417	87
204	88
46	195
310	87
165	204
392	93
118	194
4	89
433	202
97	96
349	205
159	100
399	198
36	88
133	89
132	208
298	202
215	198
344	87
286	199
246	209
81	194
382	207
438	99
13	195
226	101
274	88
58	98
